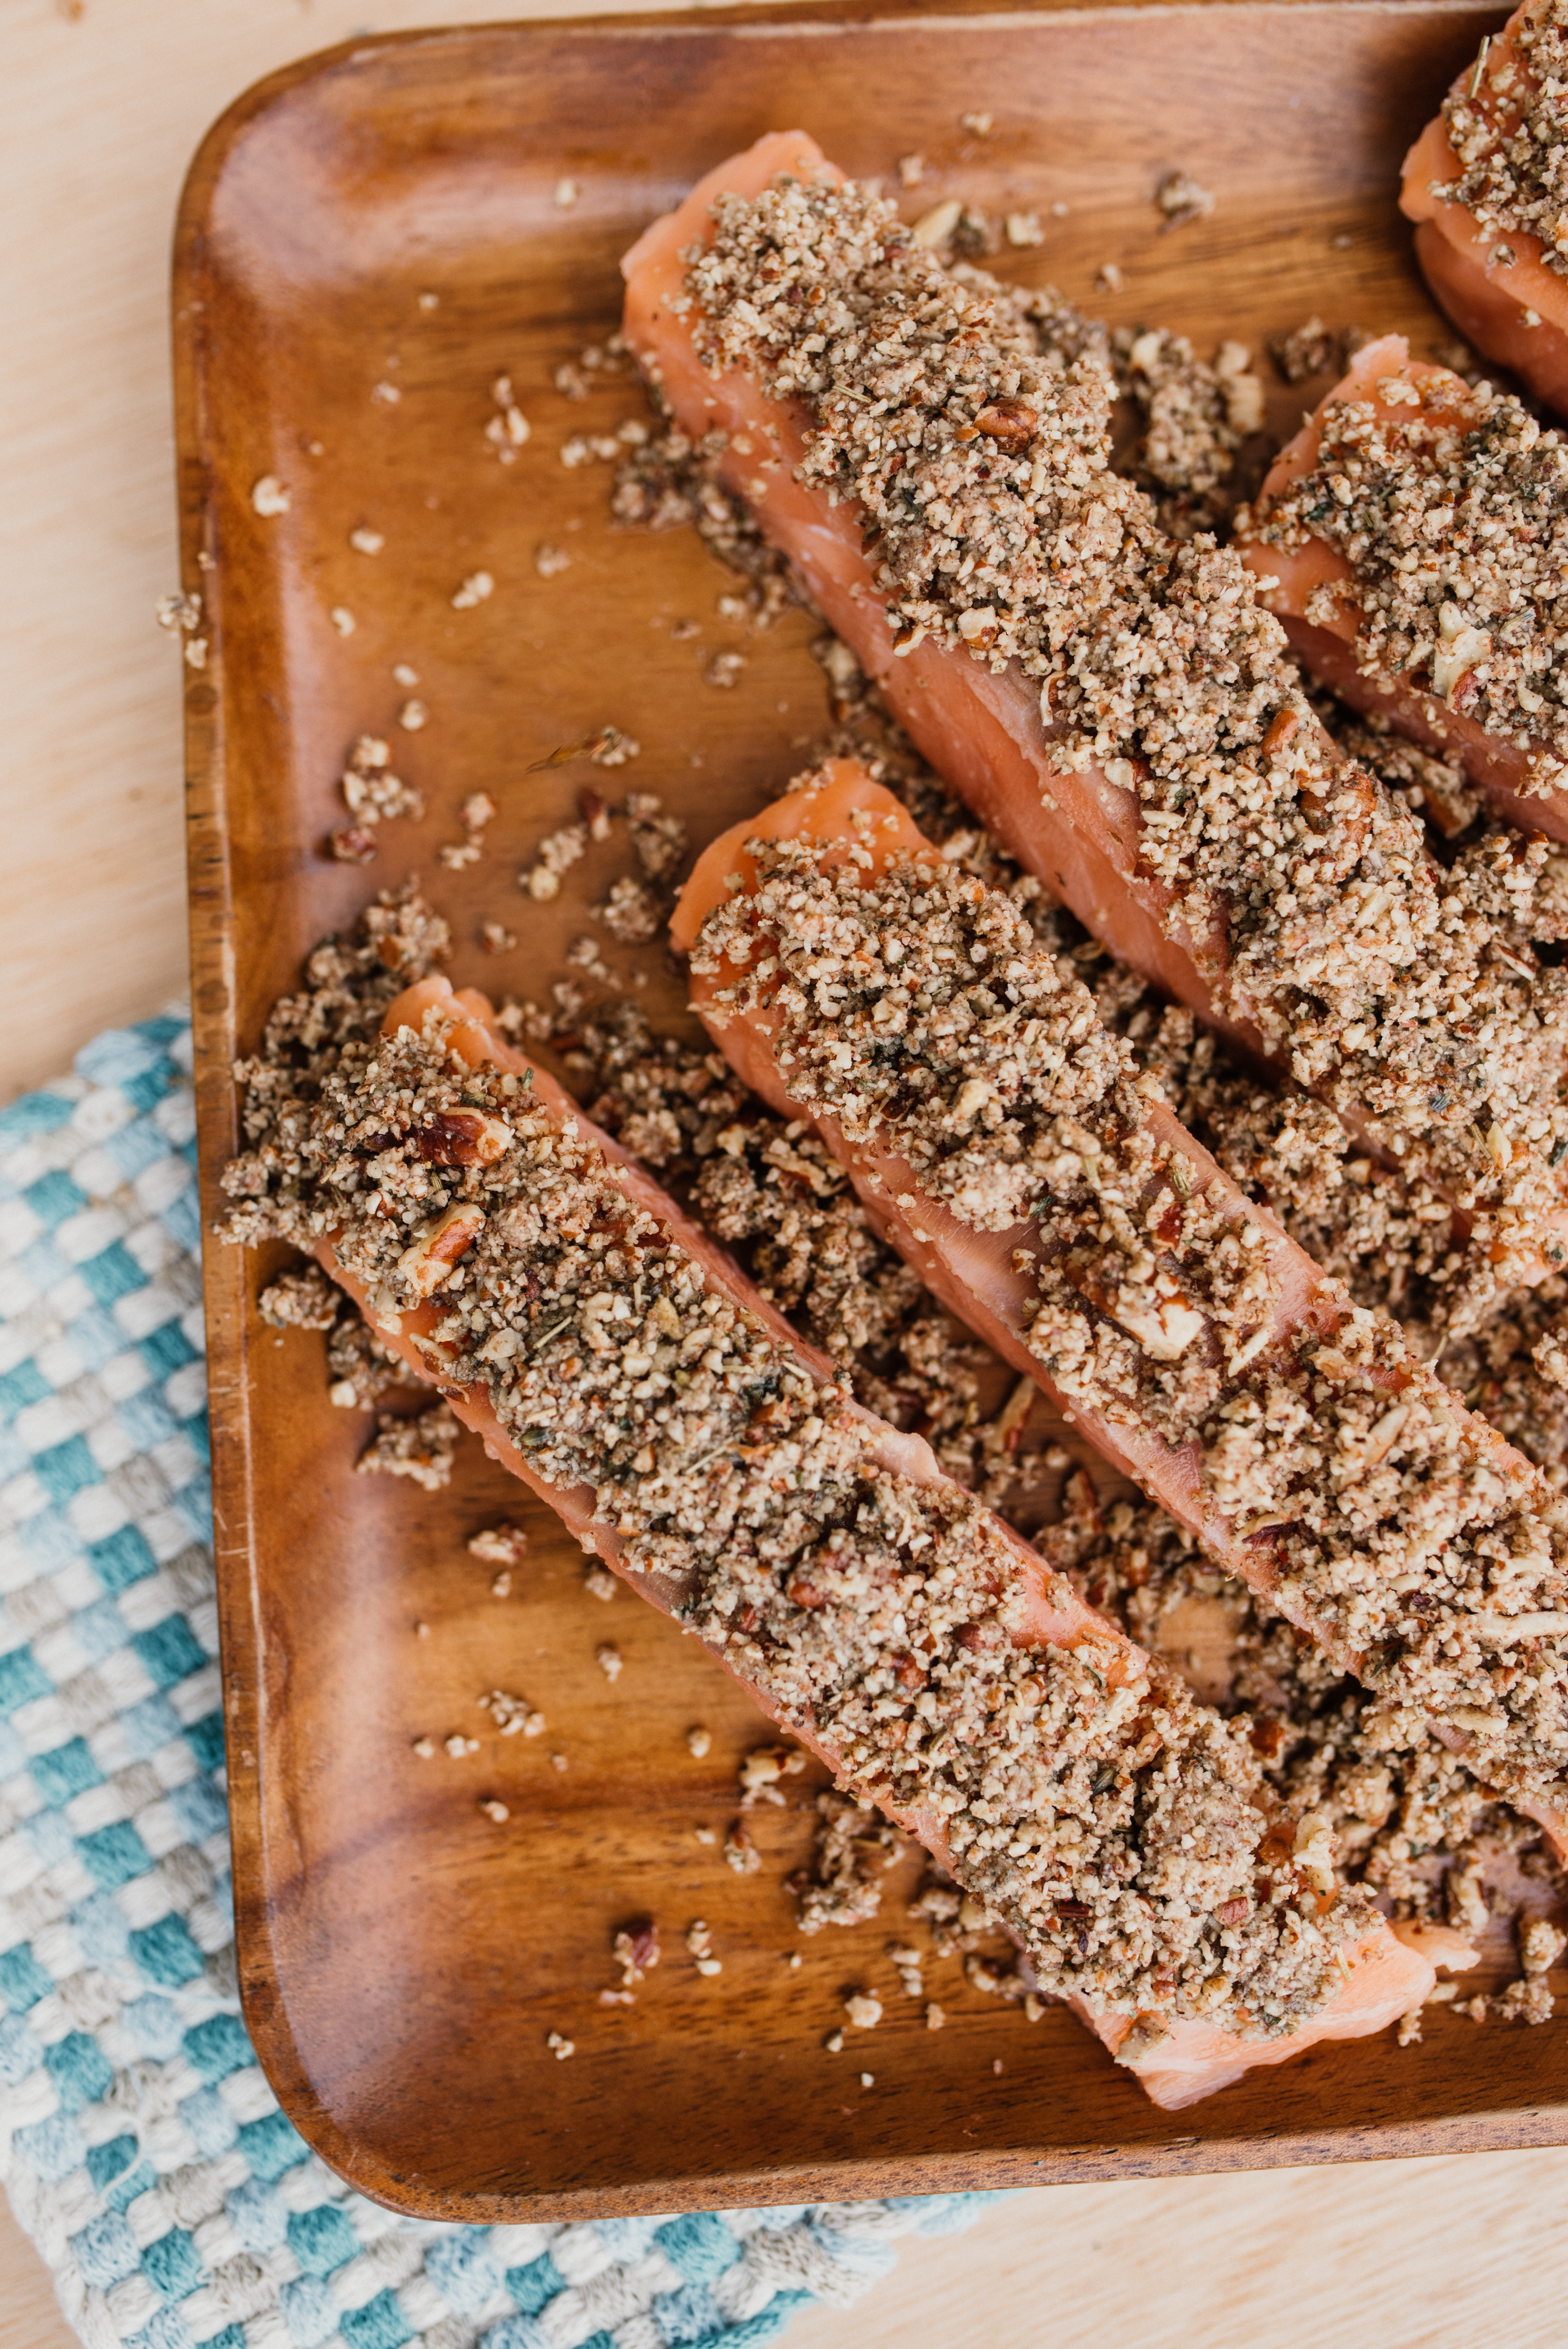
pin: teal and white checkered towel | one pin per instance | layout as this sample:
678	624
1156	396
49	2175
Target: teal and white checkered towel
141	2147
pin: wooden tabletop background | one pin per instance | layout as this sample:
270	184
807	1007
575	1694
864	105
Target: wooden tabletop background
102	102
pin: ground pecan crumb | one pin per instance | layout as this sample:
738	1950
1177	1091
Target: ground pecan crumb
513	1716
1528	2000
597	365
1309	349
658	841
739	1852
908	1964
421	1448
635	1950
610	748
761	1770
995	1981
855	1846
303	1300
499	1545
1541	1945
957	231
699	1941
351	844
477	812
370	789
507	432
1181	198
631	912
361	1367
938	1905
555	855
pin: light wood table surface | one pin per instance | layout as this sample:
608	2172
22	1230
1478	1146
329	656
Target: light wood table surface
101	104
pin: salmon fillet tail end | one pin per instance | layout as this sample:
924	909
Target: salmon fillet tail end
1313	590
1496	288
1384	1980
653	267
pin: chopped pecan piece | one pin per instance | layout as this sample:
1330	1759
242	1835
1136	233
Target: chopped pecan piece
462	1137
1009	422
427	1265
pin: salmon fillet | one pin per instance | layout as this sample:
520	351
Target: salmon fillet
1395	423
1473	182
1002	1141
1119	710
618	1362
982	729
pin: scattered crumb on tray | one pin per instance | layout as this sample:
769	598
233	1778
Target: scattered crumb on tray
420	1448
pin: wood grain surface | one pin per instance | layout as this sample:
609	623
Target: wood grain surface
103	107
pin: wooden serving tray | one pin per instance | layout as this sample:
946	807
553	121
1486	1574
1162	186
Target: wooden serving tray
403	1957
